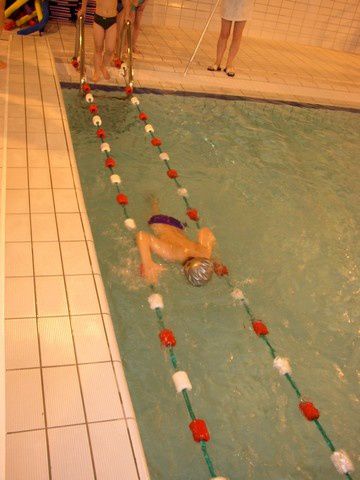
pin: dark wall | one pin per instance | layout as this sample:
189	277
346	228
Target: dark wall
65	11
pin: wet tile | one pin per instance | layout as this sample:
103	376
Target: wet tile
82	295
110	440
43	227
39	178
65	201
75	257
16	178
100	392
56	341
38	158
70	453
41	201
17	201
21	342
18	259
62	396
70	227
47	259
32	464
14	287
18	228
90	339
24	403
62	178
51	296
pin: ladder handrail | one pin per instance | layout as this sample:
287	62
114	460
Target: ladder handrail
126	33
79	51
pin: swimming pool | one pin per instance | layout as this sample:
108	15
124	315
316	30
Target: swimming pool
278	185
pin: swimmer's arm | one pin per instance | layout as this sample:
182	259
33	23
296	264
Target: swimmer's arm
207	239
151	270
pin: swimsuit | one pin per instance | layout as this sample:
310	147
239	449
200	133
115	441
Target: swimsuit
165	220
120	6
104	22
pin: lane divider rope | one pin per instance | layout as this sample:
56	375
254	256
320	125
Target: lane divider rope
339	458
167	338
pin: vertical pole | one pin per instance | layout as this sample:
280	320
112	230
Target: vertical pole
82	49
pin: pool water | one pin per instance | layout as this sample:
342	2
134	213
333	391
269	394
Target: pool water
279	186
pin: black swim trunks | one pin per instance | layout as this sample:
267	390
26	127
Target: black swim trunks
104	22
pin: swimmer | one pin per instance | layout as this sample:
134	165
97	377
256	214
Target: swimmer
169	242
105	33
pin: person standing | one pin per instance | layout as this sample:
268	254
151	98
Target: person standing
235	12
105	31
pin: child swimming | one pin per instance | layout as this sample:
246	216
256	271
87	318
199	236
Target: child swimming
171	244
105	33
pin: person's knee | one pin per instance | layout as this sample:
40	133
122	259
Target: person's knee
224	35
98	49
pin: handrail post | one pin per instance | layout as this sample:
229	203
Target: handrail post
82	48
126	33
77	35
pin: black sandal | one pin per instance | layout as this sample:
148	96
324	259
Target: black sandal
214	68
230	73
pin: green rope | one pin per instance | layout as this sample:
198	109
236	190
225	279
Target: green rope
173	358
208	459
325	435
293	384
188	405
271	348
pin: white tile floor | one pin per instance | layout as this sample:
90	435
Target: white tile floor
68	408
69	411
265	68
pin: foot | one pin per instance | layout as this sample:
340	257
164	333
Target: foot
106	73
96	76
2	65
230	71
214	68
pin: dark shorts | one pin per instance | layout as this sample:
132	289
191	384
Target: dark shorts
165	220
104	22
120	6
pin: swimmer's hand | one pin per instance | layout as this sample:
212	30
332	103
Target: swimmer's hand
151	272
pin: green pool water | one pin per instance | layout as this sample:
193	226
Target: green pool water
279	186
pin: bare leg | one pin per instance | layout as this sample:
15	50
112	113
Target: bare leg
99	35
223	38
235	44
110	42
137	22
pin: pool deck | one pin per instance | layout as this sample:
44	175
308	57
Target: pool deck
68	410
266	69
